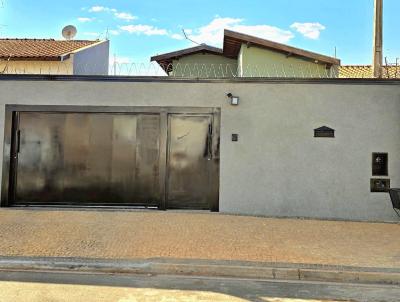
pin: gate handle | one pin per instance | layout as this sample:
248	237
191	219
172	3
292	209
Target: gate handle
209	142
18	140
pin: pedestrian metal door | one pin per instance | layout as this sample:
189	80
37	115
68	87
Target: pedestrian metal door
87	159
191	162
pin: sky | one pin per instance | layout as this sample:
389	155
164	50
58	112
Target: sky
139	29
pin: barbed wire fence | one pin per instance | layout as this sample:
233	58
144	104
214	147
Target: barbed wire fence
180	70
196	70
391	69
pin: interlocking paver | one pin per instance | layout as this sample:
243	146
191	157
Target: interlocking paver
188	235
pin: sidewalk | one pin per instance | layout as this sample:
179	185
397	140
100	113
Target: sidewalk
135	235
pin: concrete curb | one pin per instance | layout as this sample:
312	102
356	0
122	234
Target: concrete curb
204	268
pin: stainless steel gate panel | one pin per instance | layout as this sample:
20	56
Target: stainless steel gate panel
124	144
147	171
190	161
40	157
88	158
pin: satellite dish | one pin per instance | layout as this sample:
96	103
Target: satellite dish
69	32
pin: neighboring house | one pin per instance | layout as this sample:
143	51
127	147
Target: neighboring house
247	56
49	56
200	61
365	71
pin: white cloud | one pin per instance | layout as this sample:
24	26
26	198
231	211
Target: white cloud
98	9
309	30
120	15
84	19
213	32
125	16
147	30
177	37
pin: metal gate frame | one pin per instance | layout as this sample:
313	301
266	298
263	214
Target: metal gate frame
11	137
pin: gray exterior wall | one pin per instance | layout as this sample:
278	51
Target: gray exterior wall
277	168
93	60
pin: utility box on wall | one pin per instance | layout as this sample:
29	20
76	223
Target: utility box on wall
380	164
380	185
380	167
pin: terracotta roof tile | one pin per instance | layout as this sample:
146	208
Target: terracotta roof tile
365	71
44	49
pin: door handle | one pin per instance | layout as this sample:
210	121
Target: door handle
18	141
209	142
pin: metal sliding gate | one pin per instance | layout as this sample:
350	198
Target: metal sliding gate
151	157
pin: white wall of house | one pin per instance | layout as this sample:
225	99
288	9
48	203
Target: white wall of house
277	168
93	60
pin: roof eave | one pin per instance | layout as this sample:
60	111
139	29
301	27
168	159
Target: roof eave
186	52
165	60
239	38
96	43
60	58
52	58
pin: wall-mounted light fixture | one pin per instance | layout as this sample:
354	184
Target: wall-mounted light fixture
234	100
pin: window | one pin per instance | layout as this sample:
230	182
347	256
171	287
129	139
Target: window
380	164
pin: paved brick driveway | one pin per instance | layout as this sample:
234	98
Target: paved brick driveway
137	235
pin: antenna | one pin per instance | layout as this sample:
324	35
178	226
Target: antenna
69	32
115	64
187	37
